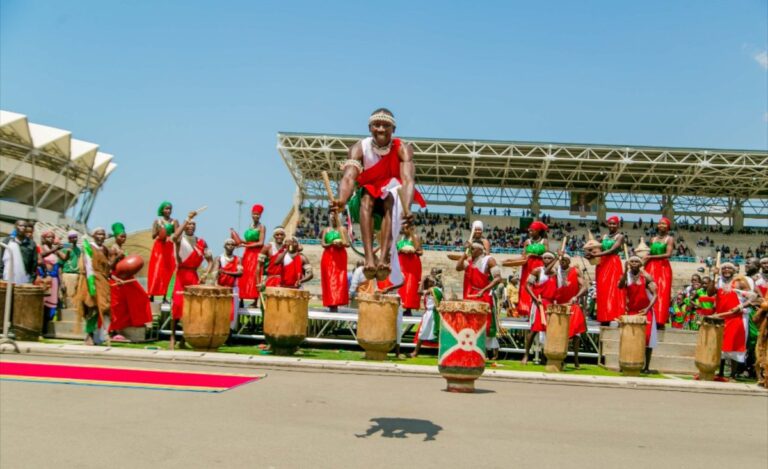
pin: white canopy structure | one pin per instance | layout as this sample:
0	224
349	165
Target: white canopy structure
46	175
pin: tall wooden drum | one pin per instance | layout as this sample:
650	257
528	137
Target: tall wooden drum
377	324
286	313
461	355
632	344
27	311
206	316
709	347
556	346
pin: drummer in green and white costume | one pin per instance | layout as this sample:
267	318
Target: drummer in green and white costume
429	329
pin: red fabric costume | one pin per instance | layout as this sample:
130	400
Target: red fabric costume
734	332
162	265
186	274
230	266
333	276
129	305
637	300
274	269
545	288
250	280
564	294
373	179
292	271
610	298
410	264
475	279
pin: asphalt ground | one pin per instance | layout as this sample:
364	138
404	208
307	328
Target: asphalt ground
322	418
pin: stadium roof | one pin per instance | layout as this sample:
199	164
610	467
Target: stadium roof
44	171
541	166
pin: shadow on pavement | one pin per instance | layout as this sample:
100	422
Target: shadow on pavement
396	427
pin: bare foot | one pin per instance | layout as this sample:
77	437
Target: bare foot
383	271
413	354
524	361
369	270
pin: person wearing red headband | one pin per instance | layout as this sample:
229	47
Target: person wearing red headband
610	298
658	266
248	283
536	245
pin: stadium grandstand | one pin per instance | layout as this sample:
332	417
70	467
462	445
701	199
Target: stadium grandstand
46	175
718	198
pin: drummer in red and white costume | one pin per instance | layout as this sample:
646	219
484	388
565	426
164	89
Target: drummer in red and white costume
190	253
571	286
296	267
641	295
541	286
228	271
481	276
382	167
273	255
731	297
477	235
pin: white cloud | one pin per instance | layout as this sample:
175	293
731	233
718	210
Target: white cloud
761	58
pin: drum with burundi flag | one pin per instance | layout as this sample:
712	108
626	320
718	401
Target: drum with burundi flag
461	357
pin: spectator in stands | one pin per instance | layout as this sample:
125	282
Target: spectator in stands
511	296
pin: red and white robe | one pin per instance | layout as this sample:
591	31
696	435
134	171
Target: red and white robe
380	177
229	265
545	288
293	270
567	288
477	277
192	256
274	268
638	298
410	263
736	327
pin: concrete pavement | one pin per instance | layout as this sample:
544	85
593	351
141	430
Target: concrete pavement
320	417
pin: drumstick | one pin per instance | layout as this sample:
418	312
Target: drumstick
331	198
562	246
626	252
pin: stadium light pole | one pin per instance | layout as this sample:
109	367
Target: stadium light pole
239	215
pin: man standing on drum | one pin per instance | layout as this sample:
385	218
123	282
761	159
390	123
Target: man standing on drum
641	296
377	173
481	276
190	253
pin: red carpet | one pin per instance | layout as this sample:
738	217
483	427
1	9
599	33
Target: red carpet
122	377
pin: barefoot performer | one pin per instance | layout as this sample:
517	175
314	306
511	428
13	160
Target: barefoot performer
253	242
162	260
227	268
296	267
641	295
571	286
129	301
533	248
429	327
190	253
658	266
731	295
610	299
378	166
333	267
540	286
92	298
481	276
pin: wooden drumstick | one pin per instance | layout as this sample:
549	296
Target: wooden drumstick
562	246
626	253
331	198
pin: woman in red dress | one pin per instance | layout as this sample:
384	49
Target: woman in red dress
409	253
658	266
533	248
333	268
129	303
162	260
253	242
610	298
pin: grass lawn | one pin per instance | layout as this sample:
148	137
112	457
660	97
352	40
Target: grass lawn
354	355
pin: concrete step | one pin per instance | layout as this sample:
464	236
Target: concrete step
60	329
666	336
662	363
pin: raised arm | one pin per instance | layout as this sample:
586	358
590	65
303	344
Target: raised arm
351	171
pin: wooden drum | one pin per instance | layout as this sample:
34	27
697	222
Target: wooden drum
286	313
556	346
26	310
206	316
632	344
709	347
461	355
377	324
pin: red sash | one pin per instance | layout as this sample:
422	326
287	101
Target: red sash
474	281
227	280
292	272
373	179
637	296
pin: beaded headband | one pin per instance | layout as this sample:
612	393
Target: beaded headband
381	117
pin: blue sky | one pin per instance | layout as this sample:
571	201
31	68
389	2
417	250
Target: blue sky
189	95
